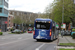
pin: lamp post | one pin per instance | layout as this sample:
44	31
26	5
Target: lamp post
74	1
74	15
63	12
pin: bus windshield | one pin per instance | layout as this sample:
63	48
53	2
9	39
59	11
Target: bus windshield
43	25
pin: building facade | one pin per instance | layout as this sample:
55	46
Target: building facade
27	17
3	14
9	22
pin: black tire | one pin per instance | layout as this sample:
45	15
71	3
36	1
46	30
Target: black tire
38	39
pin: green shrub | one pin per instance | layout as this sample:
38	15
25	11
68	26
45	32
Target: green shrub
73	30
22	32
11	29
17	32
1	33
25	31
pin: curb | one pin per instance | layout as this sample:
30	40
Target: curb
66	46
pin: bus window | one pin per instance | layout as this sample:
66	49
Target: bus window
53	30
42	25
38	25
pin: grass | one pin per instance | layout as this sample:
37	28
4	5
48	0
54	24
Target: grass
12	33
67	44
66	49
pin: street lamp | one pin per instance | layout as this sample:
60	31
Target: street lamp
63	12
74	1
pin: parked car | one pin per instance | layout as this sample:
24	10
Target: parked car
67	32
17	30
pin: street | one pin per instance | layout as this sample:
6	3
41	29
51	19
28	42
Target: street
24	42
37	25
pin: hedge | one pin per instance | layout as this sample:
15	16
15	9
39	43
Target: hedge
1	33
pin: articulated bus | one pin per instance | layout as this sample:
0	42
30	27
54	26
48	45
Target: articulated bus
45	29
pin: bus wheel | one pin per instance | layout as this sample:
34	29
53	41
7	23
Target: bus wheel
51	40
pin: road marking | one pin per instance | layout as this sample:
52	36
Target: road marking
40	46
14	41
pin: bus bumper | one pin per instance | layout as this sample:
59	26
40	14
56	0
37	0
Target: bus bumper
39	37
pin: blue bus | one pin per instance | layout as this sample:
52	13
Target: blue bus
45	29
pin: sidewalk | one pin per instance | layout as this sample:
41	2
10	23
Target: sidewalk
66	39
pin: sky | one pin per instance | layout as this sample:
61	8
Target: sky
34	6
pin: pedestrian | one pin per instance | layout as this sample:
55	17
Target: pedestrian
62	32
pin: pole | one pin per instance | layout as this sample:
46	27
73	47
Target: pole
63	12
74	1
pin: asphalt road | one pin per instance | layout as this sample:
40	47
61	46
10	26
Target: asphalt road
24	42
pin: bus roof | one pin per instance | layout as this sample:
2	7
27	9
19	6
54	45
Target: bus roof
42	19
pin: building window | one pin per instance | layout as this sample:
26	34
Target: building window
17	13
0	18
5	3
9	25
1	2
13	13
9	17
6	0
21	13
9	20
10	12
5	11
0	10
0	22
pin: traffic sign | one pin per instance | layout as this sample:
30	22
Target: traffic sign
57	26
63	25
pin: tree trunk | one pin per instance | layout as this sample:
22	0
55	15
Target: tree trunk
73	22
